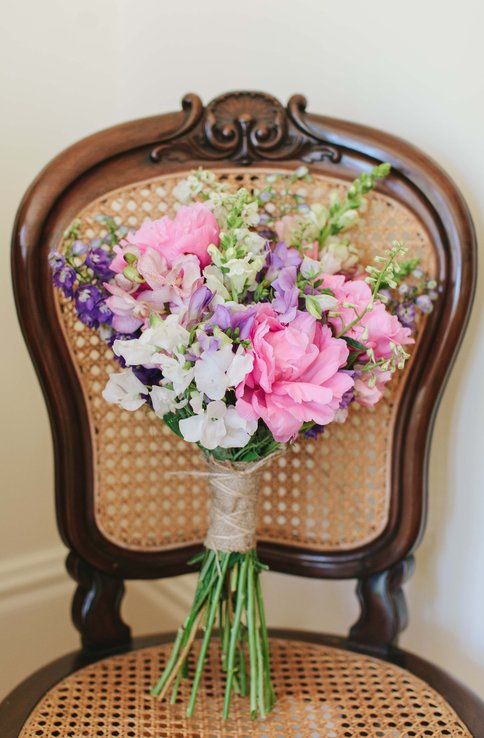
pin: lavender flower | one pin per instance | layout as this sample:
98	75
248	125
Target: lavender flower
406	314
280	258
287	295
78	248
228	319
198	302
424	303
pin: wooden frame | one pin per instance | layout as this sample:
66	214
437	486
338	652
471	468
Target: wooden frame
240	128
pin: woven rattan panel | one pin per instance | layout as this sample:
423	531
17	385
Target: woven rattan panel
322	692
306	499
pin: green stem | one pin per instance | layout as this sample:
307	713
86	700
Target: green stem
213	606
240	598
251	632
265	644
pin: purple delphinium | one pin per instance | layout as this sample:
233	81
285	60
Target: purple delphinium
99	260
280	257
347	398
91	307
406	314
149	377
314	432
287	295
65	278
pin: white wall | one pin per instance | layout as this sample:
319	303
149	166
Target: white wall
70	68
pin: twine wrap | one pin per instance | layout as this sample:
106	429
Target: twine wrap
233	490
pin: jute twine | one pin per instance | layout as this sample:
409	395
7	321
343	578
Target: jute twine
233	488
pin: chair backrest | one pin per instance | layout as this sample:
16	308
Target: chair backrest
351	504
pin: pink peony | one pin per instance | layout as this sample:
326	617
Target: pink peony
295	376
192	231
383	327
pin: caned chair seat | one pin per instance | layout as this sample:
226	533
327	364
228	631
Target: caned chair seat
323	692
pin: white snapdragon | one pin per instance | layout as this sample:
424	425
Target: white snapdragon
218	425
126	390
240	274
216	371
166	335
190	187
338	255
249	241
214	279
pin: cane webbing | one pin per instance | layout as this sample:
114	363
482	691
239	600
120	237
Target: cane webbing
328	494
323	692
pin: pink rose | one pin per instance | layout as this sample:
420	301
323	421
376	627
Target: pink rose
295	376
192	231
383	328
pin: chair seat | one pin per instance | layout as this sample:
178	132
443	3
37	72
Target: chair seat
323	692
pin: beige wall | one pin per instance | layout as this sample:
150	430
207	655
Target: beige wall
70	68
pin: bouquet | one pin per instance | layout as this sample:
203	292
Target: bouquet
244	322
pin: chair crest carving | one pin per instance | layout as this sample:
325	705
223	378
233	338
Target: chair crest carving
244	127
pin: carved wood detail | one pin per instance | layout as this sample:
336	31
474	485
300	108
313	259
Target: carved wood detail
244	127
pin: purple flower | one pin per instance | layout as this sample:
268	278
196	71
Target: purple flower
198	302
424	303
314	432
91	307
347	398
56	260
406	314
64	278
280	257
147	376
287	295
99	260
226	318
78	248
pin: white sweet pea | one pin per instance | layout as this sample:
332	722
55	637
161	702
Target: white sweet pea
164	401
126	390
166	335
217	425
176	371
216	371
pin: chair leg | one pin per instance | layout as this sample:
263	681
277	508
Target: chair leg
96	606
383	607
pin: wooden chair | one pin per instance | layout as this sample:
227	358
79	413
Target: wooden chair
130	520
